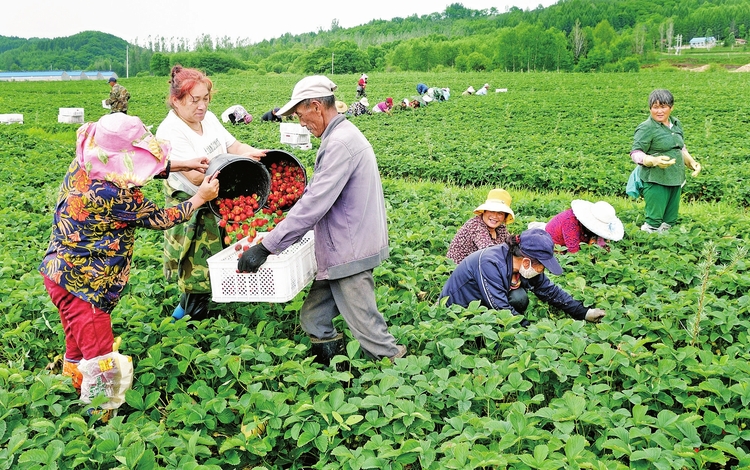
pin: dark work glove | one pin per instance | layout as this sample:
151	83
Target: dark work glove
253	258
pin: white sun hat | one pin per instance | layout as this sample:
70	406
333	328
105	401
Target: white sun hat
599	218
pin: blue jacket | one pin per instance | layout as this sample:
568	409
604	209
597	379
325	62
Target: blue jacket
422	88
343	203
485	276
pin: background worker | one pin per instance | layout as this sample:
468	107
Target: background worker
118	97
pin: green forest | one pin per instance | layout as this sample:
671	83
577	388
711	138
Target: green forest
571	35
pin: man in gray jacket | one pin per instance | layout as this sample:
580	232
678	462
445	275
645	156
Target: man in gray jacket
344	204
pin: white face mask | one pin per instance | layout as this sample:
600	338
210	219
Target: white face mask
529	272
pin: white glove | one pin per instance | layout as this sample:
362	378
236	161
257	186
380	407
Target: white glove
692	164
662	161
594	315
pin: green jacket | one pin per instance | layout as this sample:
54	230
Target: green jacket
654	138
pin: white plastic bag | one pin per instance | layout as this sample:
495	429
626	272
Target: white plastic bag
110	375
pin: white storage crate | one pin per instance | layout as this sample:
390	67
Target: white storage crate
11	118
280	278
70	119
70	115
294	134
105	105
71	112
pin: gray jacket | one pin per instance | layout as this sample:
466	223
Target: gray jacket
343	203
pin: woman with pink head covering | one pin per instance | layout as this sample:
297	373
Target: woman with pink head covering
100	205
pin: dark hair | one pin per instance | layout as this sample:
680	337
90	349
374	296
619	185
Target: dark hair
663	97
184	80
514	246
328	102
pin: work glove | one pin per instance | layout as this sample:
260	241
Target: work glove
253	258
661	161
594	315
693	165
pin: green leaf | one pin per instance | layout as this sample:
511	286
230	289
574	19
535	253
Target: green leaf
651	454
134	452
574	447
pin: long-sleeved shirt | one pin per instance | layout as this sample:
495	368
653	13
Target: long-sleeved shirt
93	234
567	231
344	203
474	235
485	275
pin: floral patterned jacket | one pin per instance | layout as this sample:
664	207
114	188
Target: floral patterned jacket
474	235
93	234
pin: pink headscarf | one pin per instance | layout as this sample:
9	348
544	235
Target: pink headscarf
119	149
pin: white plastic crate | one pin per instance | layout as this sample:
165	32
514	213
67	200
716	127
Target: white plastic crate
294	134
71	112
105	105
70	119
280	278
11	118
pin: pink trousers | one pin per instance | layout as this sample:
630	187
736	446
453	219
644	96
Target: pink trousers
88	330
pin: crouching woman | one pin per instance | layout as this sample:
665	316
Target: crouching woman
500	276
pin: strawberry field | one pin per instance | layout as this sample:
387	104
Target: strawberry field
663	382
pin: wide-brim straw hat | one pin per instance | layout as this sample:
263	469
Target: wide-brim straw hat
498	200
599	218
341	107
470	89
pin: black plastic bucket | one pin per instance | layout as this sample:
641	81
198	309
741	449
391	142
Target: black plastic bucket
239	176
278	156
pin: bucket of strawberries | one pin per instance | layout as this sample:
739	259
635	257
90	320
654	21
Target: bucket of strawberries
288	180
239	176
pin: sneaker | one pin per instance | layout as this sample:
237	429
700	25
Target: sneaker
649	229
664	227
70	369
401	353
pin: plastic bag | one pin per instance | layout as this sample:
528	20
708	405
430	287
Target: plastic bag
634	186
110	375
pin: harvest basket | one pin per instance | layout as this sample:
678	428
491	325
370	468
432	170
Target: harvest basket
239	176
279	279
281	156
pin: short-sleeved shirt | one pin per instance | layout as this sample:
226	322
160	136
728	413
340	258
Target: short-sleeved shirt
187	144
93	234
654	138
474	235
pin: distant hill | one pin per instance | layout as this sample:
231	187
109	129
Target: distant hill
89	50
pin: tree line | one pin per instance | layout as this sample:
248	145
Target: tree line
571	35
